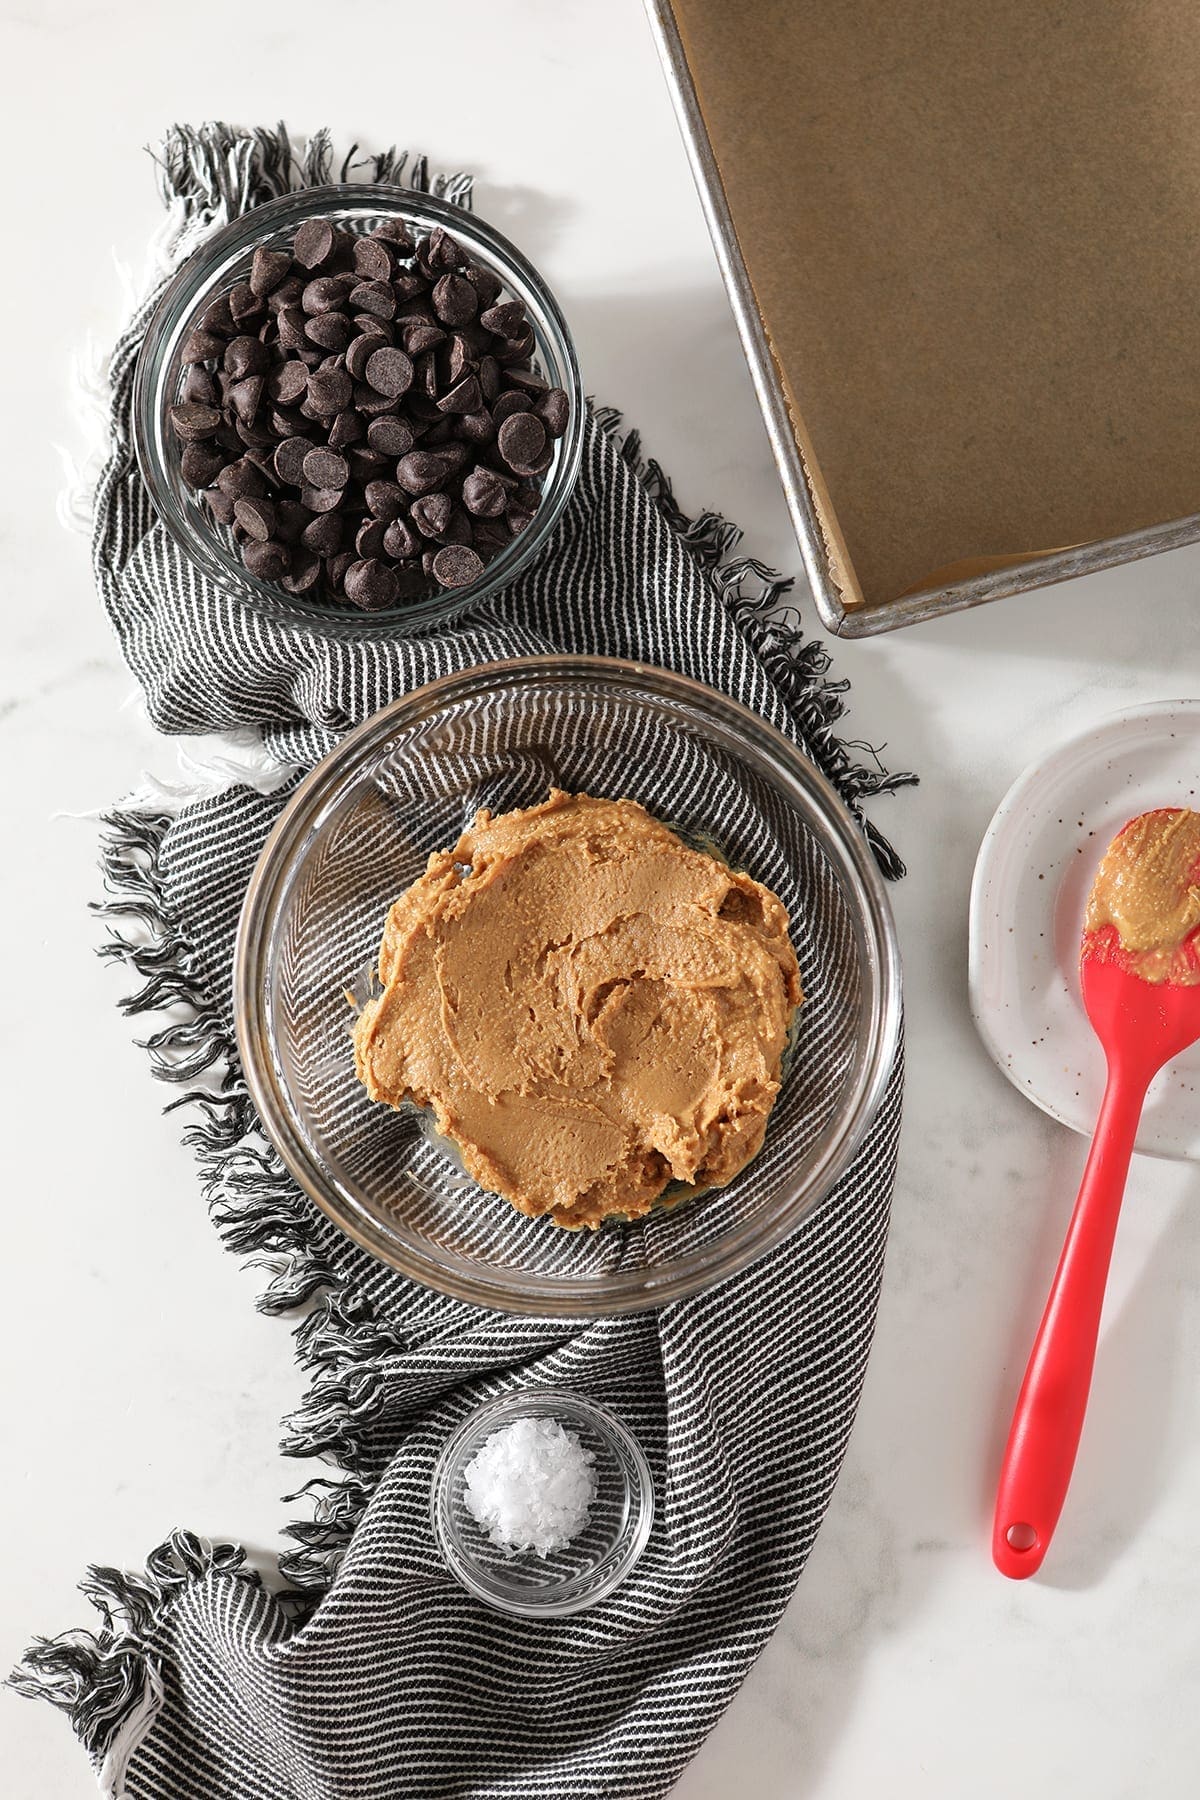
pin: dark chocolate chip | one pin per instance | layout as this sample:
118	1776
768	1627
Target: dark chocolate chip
554	410
423	471
491	534
400	540
262	458
289	459
314	243
244	303
369	540
506	320
347	429
425	377
326	469
303	574
375	298
396	233
292	329
199	385
324	294
218	318
269	562
244	397
485	282
459	528
441	251
455	456
526	379
252	435
267	269
418	335
507	404
219	505
464	397
286	295
343	250
331	389
390	436
457	566
518	518
200	464
371	584
191	421
431	514
246	356
330	331
359	350
256	518
458	359
382	330
390	371
287	383
484	493
372	404
521	441
374	259
291	519
454	300
336	567
202	347
323	534
385	499
320	500
366	463
514	352
478	427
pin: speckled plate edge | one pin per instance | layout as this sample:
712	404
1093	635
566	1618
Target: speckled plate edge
1032	874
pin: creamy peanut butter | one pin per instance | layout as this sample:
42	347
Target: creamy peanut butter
1145	901
591	1009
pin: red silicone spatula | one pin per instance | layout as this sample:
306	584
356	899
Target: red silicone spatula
1142	1025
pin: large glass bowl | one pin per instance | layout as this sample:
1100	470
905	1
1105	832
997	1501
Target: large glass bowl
360	829
224	259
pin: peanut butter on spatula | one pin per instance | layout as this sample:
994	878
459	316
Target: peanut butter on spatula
1145	900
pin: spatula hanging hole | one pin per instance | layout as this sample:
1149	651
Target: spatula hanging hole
1021	1537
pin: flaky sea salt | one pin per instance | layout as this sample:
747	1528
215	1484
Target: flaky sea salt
530	1486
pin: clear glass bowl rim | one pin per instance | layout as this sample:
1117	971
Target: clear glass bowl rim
200	273
560	1403
622	1290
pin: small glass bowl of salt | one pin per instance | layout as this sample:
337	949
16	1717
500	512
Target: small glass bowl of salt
542	1503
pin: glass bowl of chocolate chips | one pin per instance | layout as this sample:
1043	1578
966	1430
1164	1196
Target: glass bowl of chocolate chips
358	405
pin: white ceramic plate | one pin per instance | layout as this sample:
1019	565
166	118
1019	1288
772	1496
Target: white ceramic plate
1035	867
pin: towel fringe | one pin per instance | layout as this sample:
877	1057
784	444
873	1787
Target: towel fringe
105	1681
797	664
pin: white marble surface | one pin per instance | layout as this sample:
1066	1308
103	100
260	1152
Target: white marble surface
140	1386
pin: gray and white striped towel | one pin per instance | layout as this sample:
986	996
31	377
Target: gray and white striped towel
373	1675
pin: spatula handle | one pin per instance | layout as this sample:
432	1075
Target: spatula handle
1044	1435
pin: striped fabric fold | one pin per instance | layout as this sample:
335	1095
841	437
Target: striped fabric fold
369	1673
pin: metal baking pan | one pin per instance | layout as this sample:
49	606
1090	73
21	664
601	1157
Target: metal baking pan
867	620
